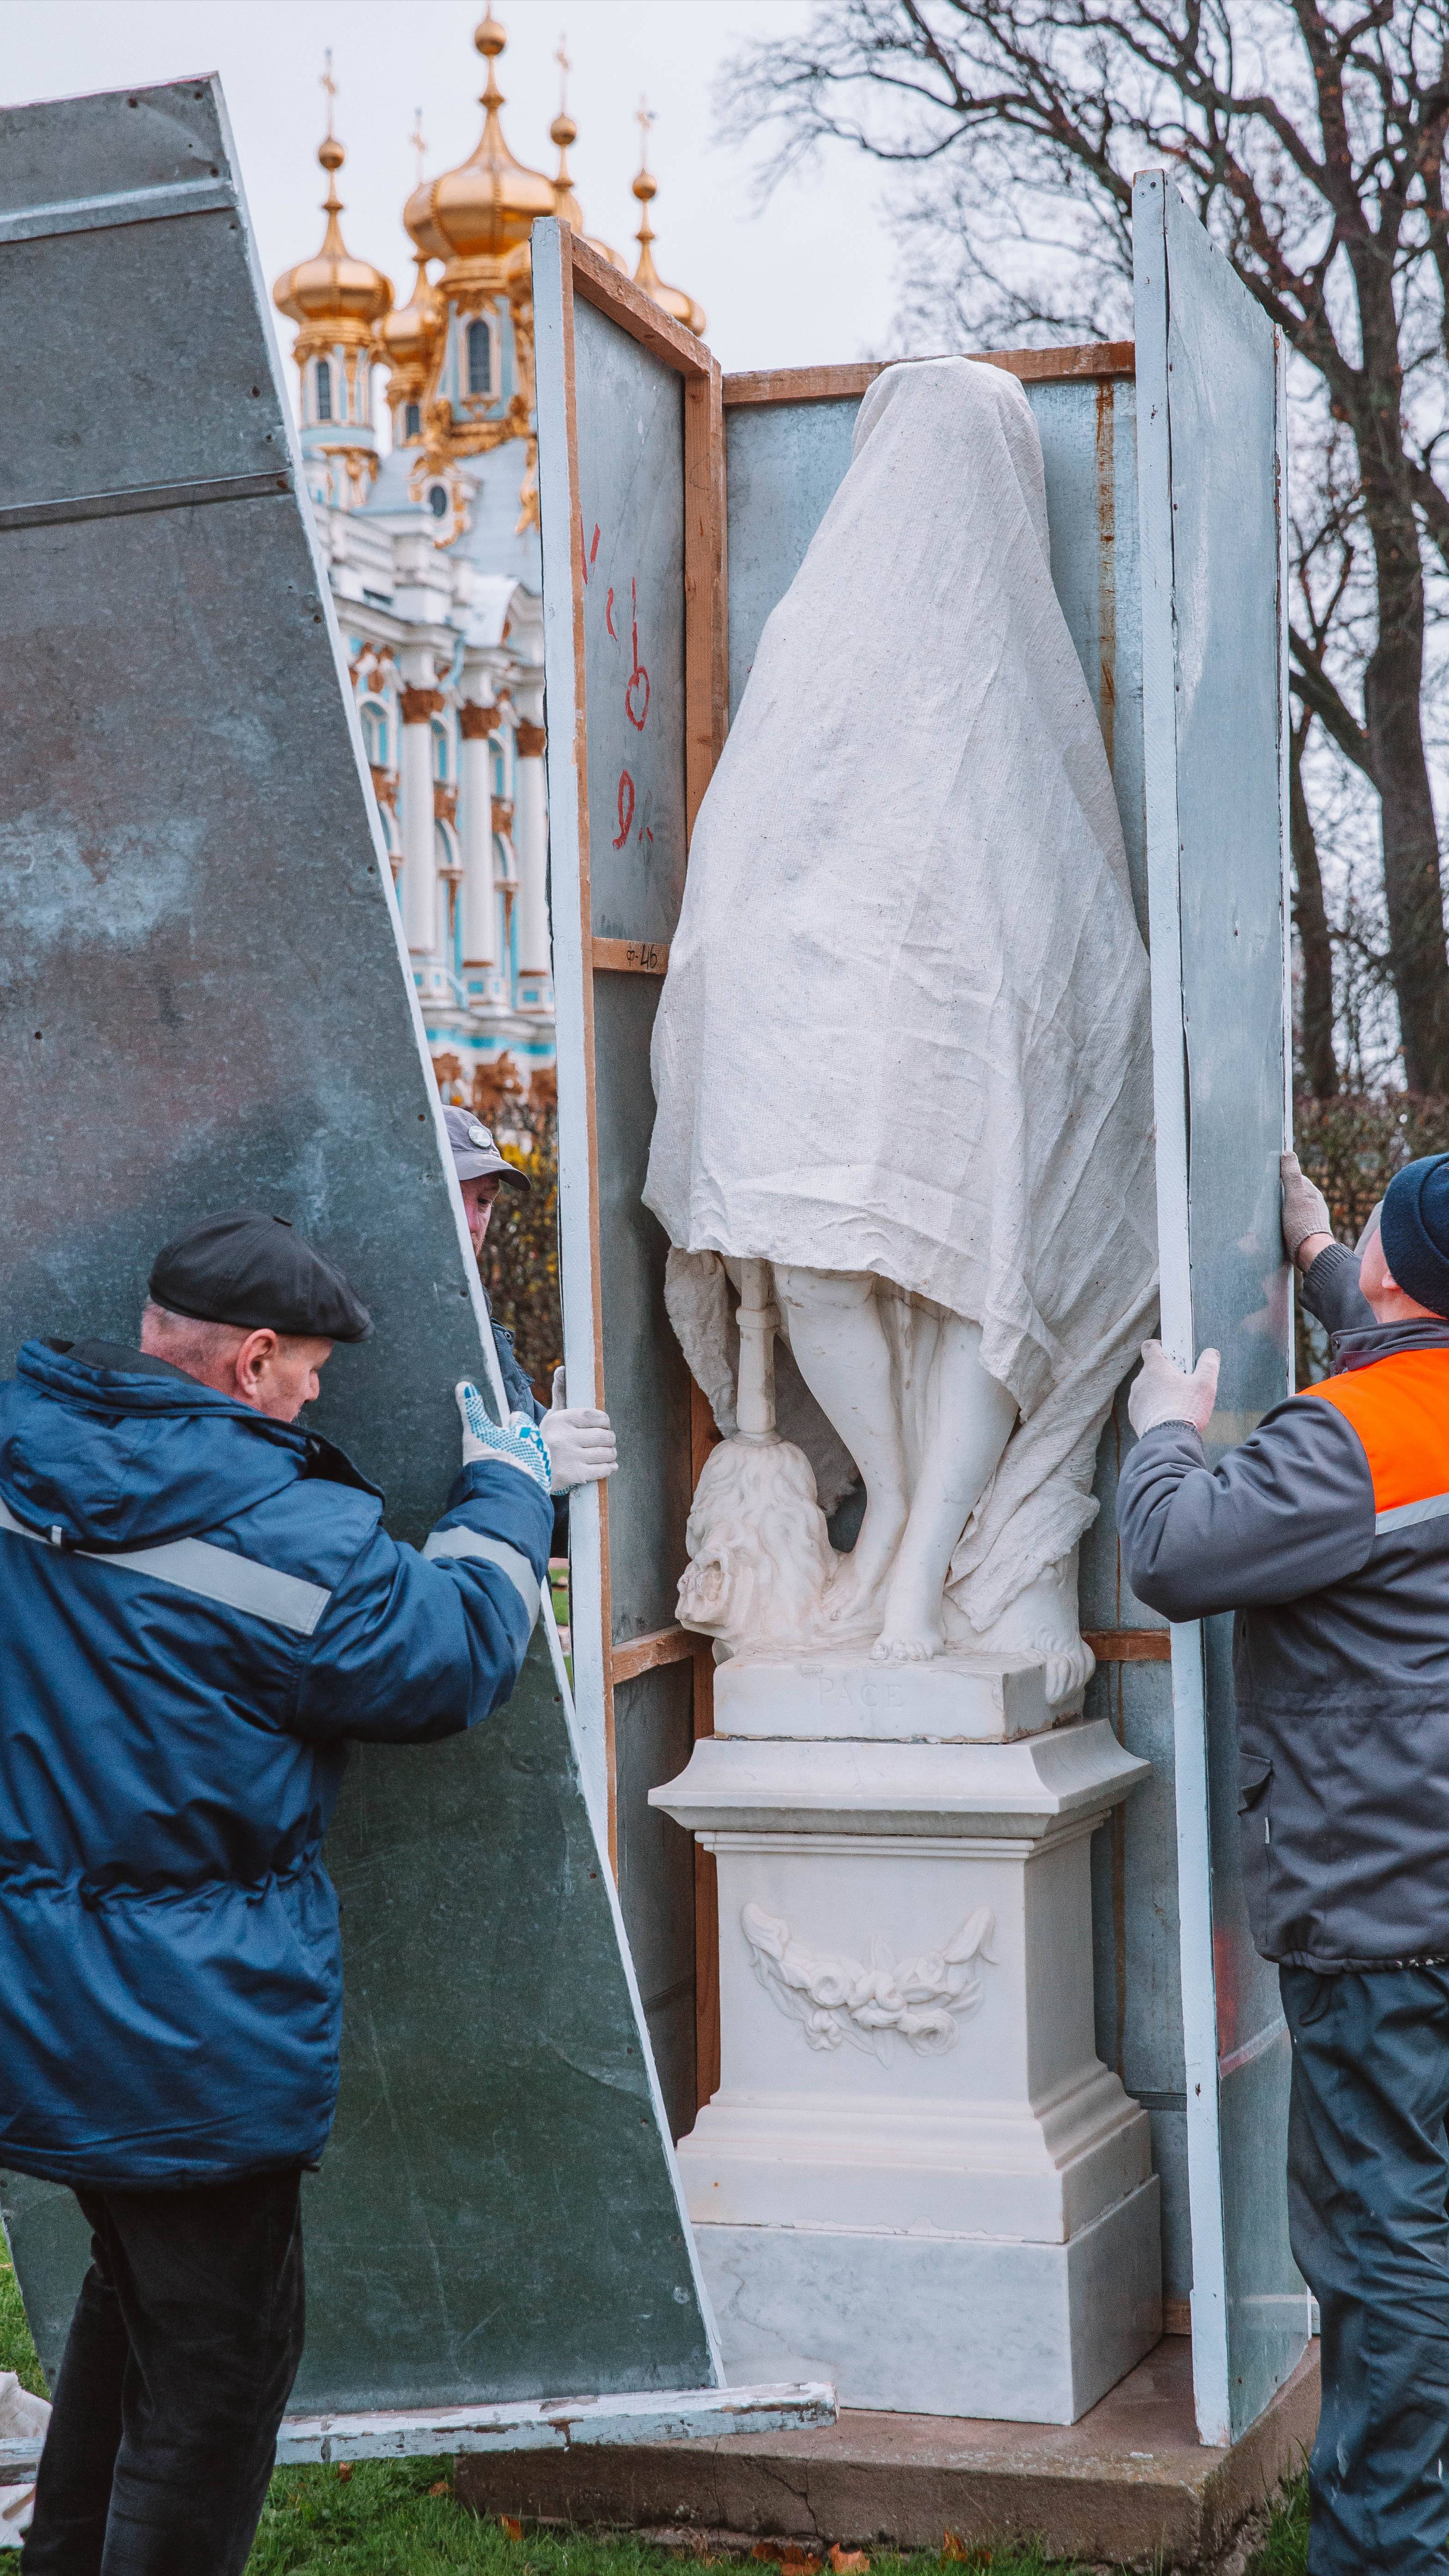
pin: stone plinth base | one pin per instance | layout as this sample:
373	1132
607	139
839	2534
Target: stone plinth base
957	2325
1130	2485
840	1693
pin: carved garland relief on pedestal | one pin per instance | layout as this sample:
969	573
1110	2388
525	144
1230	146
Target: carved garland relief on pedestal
834	1998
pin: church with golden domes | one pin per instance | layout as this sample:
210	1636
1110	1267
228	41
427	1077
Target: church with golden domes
432	549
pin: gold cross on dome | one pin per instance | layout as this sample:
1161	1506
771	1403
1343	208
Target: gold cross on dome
564	69
643	118
330	86
417	142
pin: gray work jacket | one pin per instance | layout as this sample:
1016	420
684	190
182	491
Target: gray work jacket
1327	1532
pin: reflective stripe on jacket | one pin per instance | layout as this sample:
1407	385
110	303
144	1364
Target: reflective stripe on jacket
198	1608
1327	1531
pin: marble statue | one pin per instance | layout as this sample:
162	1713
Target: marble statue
902	1071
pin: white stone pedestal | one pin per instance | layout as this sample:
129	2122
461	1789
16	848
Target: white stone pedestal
916	2170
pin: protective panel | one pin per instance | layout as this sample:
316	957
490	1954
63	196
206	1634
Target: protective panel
206	1003
1134	1867
1210	387
653	1738
631	541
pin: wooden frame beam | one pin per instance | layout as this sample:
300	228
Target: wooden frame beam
1094	359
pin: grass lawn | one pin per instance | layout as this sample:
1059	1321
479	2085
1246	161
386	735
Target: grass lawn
399	2519
17	2352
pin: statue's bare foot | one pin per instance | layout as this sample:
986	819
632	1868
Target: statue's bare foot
911	1630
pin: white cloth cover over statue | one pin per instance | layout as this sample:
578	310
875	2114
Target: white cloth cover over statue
904	1031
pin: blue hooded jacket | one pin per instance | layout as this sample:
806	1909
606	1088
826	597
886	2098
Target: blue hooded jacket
198	1607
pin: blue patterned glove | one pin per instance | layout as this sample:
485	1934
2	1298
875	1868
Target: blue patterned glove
518	1446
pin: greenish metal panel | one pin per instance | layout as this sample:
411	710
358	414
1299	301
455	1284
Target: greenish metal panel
614	585
645	1375
653	1740
1214	622
204	1001
784	463
1134	1872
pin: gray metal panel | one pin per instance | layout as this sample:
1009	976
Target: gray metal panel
784	463
1089	446
614	584
68	149
103	413
204	1000
1134	1873
653	1740
1209	384
631	494
645	1375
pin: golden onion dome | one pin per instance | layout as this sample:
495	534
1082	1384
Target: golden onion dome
674	300
334	288
488	206
564	133
409	335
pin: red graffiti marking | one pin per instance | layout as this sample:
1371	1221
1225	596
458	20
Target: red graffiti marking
638	673
589	559
609	617
626	810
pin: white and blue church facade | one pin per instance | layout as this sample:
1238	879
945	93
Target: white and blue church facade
432	549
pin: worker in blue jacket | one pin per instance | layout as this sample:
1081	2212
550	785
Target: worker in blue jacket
199	1608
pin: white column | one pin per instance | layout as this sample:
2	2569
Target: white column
417	708
475	823
530	836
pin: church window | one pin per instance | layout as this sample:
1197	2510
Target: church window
374	735
323	380
440	752
479	343
412	420
438	500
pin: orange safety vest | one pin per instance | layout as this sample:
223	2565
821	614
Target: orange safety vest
1399	1407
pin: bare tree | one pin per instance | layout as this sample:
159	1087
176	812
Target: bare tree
1309	137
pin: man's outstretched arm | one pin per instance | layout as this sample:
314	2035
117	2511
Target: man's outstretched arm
1289	1510
411	1648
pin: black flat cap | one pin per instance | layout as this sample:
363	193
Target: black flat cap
257	1271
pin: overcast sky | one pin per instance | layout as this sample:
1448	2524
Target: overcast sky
807	282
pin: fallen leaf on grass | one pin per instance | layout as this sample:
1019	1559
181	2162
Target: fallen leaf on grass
344	2471
848	2562
510	2528
800	2562
441	2486
964	2553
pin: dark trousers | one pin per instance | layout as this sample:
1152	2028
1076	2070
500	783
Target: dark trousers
181	2356
1368	2183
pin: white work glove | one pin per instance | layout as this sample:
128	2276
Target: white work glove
1305	1209
519	1446
581	1446
1160	1392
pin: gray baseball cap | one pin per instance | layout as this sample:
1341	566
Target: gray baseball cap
475	1153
